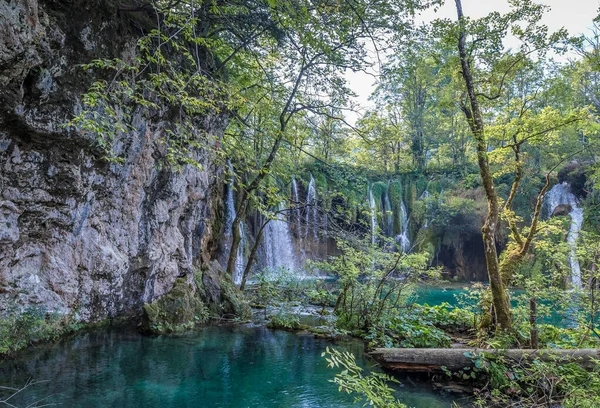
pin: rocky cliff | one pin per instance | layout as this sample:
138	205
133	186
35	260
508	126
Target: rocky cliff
77	234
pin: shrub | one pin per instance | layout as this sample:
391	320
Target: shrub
19	328
537	383
372	389
410	328
284	320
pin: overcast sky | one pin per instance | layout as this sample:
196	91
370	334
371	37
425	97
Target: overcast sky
575	15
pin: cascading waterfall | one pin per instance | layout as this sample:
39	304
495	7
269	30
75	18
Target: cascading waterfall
296	199
240	259
561	194
403	238
373	215
230	215
311	210
277	242
425	196
229	202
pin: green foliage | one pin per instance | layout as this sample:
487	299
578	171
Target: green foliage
178	310
415	327
163	82
284	320
273	287
473	302
537	383
20	328
321	296
372	390
367	287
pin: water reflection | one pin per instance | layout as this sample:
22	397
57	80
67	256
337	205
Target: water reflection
213	367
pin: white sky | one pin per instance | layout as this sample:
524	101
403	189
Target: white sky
575	15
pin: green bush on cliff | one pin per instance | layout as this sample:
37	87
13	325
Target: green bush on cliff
18	329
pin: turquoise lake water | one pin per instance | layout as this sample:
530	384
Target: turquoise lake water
213	367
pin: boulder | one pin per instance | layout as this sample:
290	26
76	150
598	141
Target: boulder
561	210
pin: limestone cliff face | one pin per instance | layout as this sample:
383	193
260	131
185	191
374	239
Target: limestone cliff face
79	235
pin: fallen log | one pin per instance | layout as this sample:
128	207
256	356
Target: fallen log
454	359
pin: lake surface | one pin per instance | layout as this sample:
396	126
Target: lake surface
216	366
436	295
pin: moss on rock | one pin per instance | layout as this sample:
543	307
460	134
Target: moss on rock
178	310
218	291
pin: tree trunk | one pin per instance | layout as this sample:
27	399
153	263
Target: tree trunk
475	118
454	359
533	322
245	199
252	256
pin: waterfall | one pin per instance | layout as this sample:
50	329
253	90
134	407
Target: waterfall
229	202
389	215
240	263
277	243
373	215
296	199
230	215
561	194
311	210
403	238
426	195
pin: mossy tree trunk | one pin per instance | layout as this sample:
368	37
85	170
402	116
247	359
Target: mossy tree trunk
474	117
501	272
252	256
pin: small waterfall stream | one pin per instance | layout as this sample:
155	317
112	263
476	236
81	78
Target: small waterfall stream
561	194
311	210
373	208
426	194
240	259
296	201
229	202
230	214
403	238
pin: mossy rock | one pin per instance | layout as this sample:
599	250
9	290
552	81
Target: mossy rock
395	194
178	310
220	294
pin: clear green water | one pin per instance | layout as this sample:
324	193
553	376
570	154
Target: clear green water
436	295
213	367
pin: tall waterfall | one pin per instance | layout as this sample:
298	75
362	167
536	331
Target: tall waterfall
311	210
373	215
403	238
561	194
277	243
240	261
296	200
229	202
230	215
